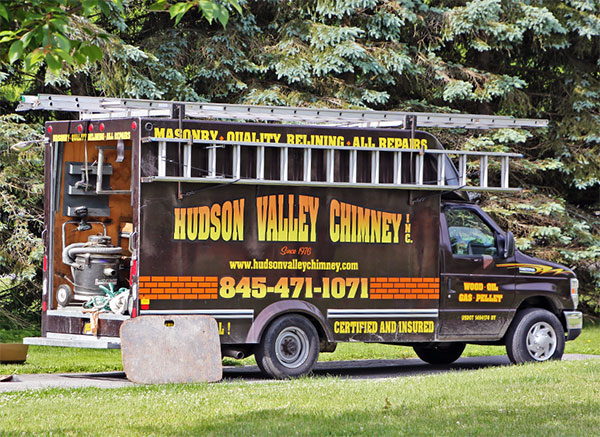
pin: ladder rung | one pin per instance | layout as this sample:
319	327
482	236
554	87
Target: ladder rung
462	169
441	170
237	160
307	164
187	160
375	167
504	168
212	161
398	167
353	166
260	162
483	171
419	167
330	165
162	158
283	164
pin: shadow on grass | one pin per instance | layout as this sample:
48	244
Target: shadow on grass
394	419
369	369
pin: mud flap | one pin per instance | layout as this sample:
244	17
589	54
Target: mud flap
171	349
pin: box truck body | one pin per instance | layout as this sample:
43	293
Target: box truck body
294	237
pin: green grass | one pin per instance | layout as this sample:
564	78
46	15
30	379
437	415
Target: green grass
63	360
558	398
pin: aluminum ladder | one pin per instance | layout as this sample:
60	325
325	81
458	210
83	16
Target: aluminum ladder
448	177
107	107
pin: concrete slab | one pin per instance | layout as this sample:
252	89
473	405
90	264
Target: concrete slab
67	380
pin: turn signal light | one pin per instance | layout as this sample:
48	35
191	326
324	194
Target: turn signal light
574	283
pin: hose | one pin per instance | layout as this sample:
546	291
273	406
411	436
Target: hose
110	300
66	259
72	250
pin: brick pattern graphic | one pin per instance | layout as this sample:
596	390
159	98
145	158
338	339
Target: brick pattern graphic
178	287
404	288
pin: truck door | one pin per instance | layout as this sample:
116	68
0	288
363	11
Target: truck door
476	295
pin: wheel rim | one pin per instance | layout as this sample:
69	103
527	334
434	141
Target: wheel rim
291	347
62	295
541	341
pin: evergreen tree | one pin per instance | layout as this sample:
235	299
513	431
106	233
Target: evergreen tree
508	57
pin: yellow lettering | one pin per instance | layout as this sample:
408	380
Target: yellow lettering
227	221
179	233
192	223
334	228
215	229
203	222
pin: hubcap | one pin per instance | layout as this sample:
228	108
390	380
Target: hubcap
291	347
541	341
62	295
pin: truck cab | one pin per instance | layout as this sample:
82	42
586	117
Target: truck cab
491	287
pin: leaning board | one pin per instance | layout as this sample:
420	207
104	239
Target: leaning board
171	349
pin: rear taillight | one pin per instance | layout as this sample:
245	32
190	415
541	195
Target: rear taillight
132	270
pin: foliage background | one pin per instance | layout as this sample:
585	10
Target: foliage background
521	58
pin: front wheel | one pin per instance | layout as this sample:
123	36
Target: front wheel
289	347
440	353
535	335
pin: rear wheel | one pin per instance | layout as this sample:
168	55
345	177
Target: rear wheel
440	353
535	335
289	347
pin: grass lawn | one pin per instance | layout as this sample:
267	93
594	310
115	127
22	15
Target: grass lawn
557	398
62	360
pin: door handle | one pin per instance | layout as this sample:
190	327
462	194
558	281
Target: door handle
449	288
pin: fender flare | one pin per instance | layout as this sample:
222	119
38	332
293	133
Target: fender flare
277	309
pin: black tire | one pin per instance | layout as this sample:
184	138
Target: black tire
440	353
64	295
535	335
289	347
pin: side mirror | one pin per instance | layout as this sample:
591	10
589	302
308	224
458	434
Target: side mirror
509	245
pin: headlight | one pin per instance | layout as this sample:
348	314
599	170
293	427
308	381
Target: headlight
574	282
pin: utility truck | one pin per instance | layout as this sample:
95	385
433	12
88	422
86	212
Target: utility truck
295	228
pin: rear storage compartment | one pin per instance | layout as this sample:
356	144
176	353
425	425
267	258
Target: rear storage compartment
90	223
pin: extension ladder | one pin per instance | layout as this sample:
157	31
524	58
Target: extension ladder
447	178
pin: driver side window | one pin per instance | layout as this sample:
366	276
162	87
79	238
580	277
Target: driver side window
469	235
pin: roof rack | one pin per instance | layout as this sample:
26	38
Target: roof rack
108	107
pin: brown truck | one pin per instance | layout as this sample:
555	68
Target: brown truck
297	233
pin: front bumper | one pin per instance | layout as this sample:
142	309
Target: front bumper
574	323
